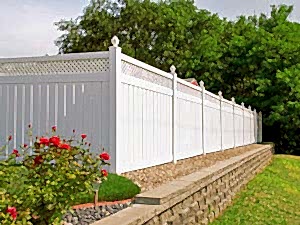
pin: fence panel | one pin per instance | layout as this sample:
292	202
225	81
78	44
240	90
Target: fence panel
227	125
212	126
247	128
189	122
254	125
239	126
250	126
69	105
146	118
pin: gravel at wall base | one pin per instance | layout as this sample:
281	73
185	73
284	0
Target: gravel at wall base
86	216
152	177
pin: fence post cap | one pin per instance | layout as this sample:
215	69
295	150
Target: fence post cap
260	113
249	107
220	94
243	104
201	83
254	110
233	99
115	41
173	69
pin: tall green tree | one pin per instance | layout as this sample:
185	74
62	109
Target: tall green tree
258	50
160	33
255	59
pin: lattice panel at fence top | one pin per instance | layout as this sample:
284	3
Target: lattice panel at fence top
188	90
141	73
91	65
212	99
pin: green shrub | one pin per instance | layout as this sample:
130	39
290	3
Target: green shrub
13	194
114	188
39	188
117	188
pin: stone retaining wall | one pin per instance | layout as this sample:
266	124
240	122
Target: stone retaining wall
197	198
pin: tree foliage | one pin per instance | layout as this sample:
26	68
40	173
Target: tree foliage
255	59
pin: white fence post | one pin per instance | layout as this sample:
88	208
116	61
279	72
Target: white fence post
174	113
203	116
260	127
255	125
221	121
250	128
243	105
114	89
233	105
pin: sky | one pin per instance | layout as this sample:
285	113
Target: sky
27	26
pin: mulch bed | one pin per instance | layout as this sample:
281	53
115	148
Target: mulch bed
153	177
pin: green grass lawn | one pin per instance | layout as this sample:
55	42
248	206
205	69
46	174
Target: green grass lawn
272	197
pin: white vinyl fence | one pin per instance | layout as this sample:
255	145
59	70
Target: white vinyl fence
70	91
141	115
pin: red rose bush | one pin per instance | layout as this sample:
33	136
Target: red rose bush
38	183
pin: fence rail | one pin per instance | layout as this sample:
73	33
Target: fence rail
142	115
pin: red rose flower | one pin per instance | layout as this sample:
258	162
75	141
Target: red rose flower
74	131
9	138
29	125
104	156
16	152
44	141
104	173
55	140
53	128
83	136
38	160
25	145
65	146
13	212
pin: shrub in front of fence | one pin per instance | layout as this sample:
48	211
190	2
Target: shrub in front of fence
14	200
38	183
